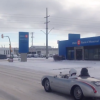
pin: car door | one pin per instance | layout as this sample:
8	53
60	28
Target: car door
61	84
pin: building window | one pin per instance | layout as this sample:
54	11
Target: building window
99	53
95	53
39	52
86	54
8	52
70	54
4	52
91	54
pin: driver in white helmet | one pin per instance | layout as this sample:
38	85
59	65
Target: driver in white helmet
72	73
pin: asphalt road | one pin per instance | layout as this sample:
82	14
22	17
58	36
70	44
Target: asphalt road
24	84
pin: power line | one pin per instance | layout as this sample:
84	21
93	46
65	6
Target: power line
53	22
44	28
20	14
60	19
23	16
60	30
21	28
38	16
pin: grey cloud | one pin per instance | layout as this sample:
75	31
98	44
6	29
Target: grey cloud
26	12
23	13
77	19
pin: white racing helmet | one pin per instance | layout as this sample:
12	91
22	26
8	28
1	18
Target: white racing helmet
72	71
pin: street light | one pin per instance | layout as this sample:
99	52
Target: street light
48	32
47	42
51	30
43	32
2	36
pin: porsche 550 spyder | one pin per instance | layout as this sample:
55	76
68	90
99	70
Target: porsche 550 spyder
79	87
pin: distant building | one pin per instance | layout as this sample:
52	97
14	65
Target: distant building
42	50
6	51
32	50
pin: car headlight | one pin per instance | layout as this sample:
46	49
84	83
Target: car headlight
97	83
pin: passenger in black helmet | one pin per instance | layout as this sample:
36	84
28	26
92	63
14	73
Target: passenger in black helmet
84	72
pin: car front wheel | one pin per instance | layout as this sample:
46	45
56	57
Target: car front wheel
47	85
77	93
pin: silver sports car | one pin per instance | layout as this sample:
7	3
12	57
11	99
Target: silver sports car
79	87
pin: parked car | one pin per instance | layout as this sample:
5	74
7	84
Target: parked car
57	57
50	55
3	56
29	55
42	56
36	55
15	56
8	56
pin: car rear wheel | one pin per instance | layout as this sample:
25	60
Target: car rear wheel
77	93
47	85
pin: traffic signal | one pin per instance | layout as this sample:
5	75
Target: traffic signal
2	36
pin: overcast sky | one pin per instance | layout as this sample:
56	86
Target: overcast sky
66	16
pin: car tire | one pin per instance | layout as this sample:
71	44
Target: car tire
77	93
47	85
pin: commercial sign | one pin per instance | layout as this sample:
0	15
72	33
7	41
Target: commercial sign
79	42
23	42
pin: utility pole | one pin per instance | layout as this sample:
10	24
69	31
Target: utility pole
32	40
47	32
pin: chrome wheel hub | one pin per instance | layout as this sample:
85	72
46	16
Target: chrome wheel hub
47	85
77	93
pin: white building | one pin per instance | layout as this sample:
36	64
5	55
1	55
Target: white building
6	51
42	50
32	50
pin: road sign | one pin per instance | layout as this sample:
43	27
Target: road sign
23	42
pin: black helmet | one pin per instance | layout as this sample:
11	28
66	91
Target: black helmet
84	72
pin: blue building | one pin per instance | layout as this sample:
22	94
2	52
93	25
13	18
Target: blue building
76	48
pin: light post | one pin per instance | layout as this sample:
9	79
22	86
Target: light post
47	41
2	36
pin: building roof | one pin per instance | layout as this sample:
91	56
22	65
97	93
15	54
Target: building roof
40	47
